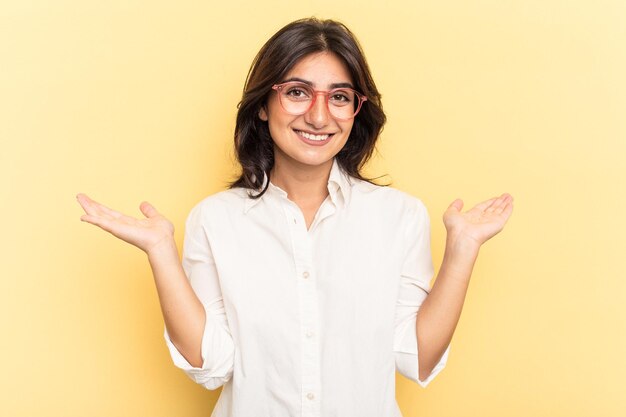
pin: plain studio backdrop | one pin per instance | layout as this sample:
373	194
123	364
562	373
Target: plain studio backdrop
135	100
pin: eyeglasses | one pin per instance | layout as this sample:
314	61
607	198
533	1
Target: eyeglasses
297	98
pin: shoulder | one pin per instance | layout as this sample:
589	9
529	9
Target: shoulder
228	201
387	198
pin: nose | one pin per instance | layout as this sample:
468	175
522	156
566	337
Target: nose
317	116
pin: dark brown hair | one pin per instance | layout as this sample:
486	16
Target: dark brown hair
254	147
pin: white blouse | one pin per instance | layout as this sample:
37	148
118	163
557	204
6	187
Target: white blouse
308	322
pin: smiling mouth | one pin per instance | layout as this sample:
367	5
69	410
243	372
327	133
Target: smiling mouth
316	138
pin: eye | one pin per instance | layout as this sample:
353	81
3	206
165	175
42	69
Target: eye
297	93
341	97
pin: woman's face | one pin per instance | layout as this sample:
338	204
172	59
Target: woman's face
292	134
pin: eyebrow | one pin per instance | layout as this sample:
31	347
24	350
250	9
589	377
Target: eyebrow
332	86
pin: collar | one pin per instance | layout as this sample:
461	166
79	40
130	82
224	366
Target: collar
339	184
339	188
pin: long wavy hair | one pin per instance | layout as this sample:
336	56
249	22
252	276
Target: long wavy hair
254	147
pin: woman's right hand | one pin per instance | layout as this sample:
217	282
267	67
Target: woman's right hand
146	233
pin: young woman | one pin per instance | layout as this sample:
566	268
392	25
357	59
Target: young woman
304	286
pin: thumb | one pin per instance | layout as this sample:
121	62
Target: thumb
148	209
456	205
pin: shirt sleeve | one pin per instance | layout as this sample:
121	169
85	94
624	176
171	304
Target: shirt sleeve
417	271
217	344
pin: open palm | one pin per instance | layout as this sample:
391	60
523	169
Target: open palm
143	233
481	222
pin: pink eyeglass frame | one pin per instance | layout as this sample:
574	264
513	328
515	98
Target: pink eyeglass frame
327	94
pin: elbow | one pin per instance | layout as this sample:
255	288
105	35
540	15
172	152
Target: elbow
214	383
192	354
209	363
215	372
194	357
425	371
196	363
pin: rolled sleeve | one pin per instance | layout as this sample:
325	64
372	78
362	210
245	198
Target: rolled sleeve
217	343
406	354
417	272
217	355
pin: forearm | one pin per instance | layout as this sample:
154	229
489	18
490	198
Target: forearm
183	312
439	314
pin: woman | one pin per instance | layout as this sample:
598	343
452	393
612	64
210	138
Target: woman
300	286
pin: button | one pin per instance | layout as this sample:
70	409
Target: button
310	396
305	274
309	334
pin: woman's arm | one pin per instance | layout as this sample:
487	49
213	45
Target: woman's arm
183	313
439	314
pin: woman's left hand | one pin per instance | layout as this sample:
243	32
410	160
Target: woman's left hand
477	225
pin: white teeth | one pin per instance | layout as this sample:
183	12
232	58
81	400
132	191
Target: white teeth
313	137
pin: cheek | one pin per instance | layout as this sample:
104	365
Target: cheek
281	123
279	127
275	133
347	127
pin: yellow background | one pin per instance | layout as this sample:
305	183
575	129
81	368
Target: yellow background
135	100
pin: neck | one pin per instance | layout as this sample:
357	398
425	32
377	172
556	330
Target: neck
302	183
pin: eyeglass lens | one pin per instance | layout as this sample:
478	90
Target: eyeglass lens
297	98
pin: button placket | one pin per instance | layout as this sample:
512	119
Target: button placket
308	309
326	209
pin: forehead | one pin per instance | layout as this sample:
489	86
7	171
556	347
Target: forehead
321	69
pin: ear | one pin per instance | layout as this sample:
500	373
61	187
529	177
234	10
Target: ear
263	114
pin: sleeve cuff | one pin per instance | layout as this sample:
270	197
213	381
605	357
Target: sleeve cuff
217	356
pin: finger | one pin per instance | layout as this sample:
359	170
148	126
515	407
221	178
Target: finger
497	203
86	203
499	208
148	209
103	223
113	213
106	210
506	210
483	206
93	207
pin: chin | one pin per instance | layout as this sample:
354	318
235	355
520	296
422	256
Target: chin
312	162
318	158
